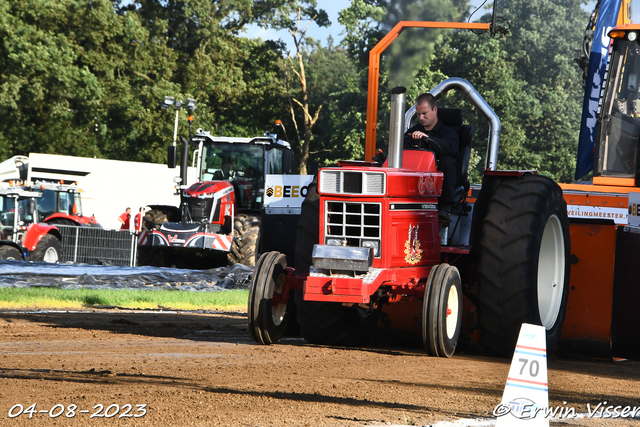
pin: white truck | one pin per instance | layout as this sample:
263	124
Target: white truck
108	186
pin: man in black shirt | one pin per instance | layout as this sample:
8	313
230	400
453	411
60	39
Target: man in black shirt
443	141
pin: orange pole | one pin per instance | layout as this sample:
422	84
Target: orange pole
374	71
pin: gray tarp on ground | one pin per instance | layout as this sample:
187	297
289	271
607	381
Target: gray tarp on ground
73	276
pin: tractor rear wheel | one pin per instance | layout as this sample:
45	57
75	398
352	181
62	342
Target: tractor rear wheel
47	250
523	262
327	323
268	320
442	311
10	253
246	229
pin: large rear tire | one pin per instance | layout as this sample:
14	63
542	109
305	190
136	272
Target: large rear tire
523	262
153	219
326	323
246	229
47	250
268	321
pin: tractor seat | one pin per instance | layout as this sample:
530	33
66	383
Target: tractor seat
452	117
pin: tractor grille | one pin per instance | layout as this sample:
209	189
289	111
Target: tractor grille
200	209
350	182
353	224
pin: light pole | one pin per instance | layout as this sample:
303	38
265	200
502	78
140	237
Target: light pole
190	105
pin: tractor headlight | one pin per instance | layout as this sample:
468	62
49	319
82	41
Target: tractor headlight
336	242
374	245
632	36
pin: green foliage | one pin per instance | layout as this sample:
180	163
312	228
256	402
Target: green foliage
335	83
528	78
375	18
84	77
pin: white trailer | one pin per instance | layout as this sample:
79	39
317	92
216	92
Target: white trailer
108	186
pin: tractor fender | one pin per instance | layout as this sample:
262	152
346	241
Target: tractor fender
79	220
35	233
490	181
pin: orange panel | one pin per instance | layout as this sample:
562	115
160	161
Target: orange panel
589	309
620	182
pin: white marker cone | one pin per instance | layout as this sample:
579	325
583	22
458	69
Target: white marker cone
525	401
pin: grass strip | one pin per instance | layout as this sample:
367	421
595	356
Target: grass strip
55	298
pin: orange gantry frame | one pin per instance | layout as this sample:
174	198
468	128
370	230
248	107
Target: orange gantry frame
374	71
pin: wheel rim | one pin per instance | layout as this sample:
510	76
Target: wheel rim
51	255
452	312
551	262
279	310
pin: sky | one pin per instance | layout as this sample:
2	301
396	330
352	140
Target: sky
332	7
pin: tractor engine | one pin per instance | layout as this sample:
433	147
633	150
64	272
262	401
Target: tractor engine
364	214
208	202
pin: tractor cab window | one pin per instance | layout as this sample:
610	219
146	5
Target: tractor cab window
240	164
620	116
8	211
274	161
69	204
46	205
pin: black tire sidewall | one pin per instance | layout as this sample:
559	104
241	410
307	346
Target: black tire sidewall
48	241
447	346
274	266
260	315
508	260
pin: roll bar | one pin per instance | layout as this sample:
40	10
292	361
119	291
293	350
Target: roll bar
477	100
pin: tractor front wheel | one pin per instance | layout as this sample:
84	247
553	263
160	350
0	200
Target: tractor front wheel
523	262
268	315
47	250
442	311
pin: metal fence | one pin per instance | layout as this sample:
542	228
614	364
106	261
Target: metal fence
98	246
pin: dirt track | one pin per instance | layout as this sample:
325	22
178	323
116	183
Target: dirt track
202	369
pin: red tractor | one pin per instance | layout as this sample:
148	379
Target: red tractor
29	216
219	216
371	253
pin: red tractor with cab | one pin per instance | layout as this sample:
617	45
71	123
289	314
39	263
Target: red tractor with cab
29	216
219	217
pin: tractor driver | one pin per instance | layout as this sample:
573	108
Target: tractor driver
443	141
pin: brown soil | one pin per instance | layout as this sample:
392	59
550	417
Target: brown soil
202	369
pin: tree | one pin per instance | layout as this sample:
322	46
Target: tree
367	21
78	79
292	17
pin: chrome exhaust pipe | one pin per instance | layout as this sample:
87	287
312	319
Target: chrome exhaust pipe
396	127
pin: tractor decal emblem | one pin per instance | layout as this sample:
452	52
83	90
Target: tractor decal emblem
422	185
269	191
412	251
426	184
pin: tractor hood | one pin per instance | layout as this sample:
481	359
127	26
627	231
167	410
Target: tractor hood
208	189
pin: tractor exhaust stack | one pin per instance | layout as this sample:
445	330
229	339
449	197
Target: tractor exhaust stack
398	100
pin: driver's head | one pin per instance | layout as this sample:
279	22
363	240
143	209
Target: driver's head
427	110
